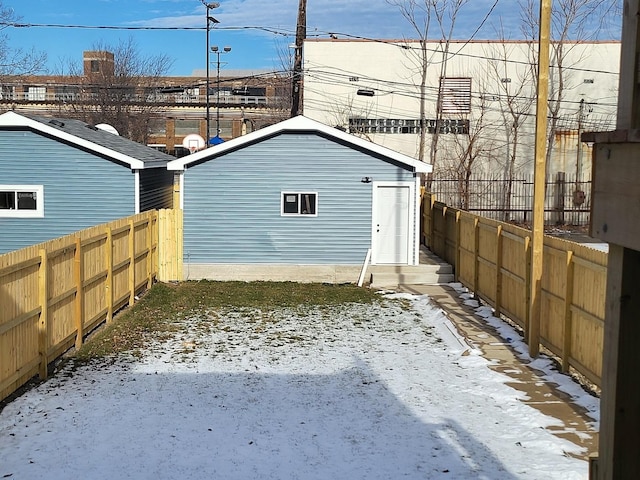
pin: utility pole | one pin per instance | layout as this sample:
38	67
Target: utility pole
579	153
209	20
537	226
301	34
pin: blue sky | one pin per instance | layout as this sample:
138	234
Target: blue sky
257	30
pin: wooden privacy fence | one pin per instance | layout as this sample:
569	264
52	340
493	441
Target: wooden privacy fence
52	294
493	260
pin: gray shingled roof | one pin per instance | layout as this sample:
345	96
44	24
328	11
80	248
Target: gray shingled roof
84	132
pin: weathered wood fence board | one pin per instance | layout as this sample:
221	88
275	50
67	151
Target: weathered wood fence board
54	293
493	260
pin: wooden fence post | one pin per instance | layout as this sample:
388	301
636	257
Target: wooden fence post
109	281
43	334
79	302
149	252
432	201
132	262
568	300
476	255
527	285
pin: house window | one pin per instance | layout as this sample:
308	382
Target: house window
455	95
296	203
21	201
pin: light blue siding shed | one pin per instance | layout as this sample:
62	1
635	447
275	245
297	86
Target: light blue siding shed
80	176
233	194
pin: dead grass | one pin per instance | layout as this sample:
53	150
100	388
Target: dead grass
157	315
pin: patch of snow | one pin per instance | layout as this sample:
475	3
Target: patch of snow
353	391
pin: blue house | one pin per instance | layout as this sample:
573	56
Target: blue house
297	201
58	176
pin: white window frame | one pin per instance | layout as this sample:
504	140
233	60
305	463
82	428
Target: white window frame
299	194
37	213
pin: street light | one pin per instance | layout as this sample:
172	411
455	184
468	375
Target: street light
210	20
217	51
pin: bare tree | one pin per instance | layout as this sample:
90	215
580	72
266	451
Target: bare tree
15	61
572	22
477	146
419	14
515	100
117	91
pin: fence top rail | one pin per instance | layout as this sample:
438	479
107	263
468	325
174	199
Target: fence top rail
20	266
62	250
95	239
514	237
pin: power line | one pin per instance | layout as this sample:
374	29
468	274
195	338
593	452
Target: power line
290	33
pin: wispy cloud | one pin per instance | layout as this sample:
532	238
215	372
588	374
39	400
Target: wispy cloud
364	18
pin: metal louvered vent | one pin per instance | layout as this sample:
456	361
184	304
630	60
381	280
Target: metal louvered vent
455	95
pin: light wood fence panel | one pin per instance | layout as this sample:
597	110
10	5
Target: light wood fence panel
493	260
54	293
170	243
20	310
466	265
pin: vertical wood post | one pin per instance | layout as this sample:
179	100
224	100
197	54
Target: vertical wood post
498	293
108	258
527	285
149	259
476	255
301	34
43	324
432	201
620	399
568	301
132	262
79	302
539	177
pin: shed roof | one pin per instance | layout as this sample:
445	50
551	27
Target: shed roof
88	137
299	124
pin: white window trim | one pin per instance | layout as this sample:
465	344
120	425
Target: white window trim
37	213
292	192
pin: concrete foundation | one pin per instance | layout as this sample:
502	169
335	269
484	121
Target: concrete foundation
275	273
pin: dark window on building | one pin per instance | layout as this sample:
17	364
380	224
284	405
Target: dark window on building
295	203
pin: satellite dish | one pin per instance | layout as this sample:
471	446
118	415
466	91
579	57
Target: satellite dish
107	128
193	142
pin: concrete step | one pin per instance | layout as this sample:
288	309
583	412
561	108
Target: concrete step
385	276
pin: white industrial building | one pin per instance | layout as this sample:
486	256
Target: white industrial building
471	101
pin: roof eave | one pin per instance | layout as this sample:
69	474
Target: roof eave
16	120
301	124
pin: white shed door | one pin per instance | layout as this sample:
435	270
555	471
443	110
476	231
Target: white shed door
391	224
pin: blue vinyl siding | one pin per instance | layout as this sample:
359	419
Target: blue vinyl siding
232	203
80	189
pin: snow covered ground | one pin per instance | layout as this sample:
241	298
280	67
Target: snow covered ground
349	392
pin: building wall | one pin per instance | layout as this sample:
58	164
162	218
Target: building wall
80	189
500	73
232	203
